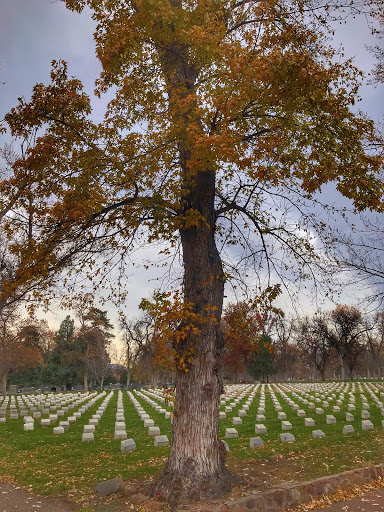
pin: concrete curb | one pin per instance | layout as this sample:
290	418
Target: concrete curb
292	494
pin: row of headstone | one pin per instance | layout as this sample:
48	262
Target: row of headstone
89	430
120	429
148	422
158	408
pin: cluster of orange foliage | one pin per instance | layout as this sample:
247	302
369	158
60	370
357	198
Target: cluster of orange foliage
174	318
18	350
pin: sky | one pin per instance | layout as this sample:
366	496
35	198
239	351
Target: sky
34	32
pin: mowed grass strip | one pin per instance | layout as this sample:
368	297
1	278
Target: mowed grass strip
57	465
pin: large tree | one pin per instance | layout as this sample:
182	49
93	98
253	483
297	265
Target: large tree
243	323
313	337
94	338
19	346
347	334
65	364
227	118
262	362
137	336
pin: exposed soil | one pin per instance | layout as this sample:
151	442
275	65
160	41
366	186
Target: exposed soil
258	475
371	502
13	498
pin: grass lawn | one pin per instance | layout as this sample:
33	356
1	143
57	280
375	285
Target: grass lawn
62	465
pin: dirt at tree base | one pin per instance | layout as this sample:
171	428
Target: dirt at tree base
258	476
181	489
14	498
137	493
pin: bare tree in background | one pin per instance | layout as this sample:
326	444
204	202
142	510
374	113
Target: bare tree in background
313	338
98	359
347	334
377	11
138	336
285	352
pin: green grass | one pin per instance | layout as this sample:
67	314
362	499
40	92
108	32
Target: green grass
62	464
57	465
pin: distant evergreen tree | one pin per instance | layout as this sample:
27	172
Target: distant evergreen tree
261	363
64	366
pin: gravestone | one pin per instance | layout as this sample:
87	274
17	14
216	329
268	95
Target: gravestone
348	429
231	432
128	445
153	431
256	442
287	438
367	425
260	428
120	434
161	440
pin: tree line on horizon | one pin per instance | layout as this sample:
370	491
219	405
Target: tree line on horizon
344	343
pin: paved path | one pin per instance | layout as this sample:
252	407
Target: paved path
371	502
14	498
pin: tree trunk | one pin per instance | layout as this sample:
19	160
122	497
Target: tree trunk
3	383
246	369
154	378
196	466
342	367
128	377
85	379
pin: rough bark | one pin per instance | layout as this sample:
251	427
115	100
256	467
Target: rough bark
196	465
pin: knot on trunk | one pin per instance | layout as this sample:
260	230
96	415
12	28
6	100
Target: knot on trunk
207	390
